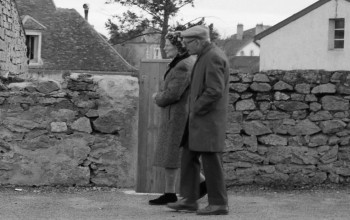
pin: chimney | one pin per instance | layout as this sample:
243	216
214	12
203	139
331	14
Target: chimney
239	34
259	28
86	11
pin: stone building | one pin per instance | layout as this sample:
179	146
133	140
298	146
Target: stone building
13	60
60	40
146	46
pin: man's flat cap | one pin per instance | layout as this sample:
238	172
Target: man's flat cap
198	31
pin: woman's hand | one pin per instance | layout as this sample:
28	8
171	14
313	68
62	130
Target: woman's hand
154	96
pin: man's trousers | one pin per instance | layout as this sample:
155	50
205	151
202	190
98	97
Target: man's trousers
213	172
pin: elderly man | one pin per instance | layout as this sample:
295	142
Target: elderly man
206	125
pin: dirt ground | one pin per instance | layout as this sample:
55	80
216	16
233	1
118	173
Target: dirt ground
325	202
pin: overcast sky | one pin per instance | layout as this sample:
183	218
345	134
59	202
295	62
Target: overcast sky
224	14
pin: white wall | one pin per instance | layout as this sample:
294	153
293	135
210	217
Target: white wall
303	43
248	48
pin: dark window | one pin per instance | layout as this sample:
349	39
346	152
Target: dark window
30	46
337	33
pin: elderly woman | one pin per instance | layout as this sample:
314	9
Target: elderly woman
172	98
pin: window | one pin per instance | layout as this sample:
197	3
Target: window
31	49
252	53
157	54
147	53
33	42
336	33
242	53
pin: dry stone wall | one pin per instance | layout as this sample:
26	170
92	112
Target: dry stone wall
288	128
79	132
13	60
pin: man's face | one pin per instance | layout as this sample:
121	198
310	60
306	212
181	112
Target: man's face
192	45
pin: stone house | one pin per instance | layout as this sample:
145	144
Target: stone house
316	37
61	40
13	59
146	46
241	48
242	43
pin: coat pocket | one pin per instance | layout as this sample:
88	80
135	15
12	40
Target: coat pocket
169	113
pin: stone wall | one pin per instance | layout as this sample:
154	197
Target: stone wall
284	128
288	128
13	60
79	132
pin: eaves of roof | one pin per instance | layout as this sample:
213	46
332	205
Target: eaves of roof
31	23
291	19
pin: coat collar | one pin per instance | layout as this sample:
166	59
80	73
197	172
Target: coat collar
205	49
175	61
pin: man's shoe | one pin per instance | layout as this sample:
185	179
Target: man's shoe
214	210
164	199
183	205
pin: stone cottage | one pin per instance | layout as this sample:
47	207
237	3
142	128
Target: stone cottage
60	40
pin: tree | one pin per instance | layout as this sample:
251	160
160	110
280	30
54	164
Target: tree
132	25
213	33
128	53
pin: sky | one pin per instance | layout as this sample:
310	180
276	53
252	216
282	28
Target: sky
224	14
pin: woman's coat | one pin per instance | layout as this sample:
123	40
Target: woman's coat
172	98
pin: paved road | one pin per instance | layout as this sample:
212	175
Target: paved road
111	203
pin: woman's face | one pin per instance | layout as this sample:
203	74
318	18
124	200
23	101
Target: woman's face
170	49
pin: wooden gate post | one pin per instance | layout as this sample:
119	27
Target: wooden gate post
149	179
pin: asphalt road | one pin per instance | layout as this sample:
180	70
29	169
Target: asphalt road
248	203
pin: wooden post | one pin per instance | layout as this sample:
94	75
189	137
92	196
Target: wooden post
149	179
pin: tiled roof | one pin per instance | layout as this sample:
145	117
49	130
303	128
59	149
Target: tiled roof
36	8
292	18
70	42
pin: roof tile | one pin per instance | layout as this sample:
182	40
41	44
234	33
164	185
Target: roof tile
70	42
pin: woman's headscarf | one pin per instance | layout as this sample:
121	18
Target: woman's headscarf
176	40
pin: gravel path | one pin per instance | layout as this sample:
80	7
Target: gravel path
246	202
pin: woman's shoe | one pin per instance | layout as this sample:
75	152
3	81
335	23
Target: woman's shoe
164	199
202	189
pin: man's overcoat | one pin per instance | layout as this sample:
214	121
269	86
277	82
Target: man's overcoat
208	101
